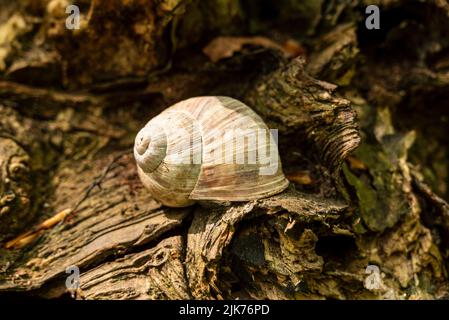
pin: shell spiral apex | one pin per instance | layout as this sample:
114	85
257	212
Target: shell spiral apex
208	148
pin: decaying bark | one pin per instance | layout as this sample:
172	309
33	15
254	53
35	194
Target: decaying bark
367	159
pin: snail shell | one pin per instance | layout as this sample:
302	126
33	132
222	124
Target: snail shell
208	148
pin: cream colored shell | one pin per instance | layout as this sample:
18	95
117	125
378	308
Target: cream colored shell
198	170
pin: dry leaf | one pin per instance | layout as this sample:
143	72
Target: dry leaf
355	163
225	47
300	177
30	236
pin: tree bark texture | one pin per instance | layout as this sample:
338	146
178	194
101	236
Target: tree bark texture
362	119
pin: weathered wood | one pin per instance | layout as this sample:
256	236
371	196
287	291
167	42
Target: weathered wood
113	220
71	103
156	273
213	229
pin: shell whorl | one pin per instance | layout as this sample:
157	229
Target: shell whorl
150	147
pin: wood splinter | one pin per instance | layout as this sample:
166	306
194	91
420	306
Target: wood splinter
29	236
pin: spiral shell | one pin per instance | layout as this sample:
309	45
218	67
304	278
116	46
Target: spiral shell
208	148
